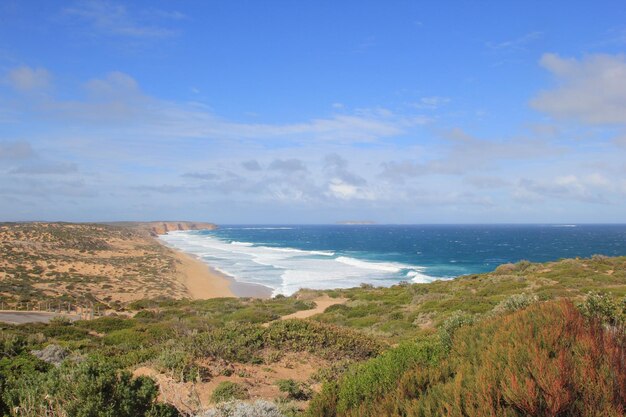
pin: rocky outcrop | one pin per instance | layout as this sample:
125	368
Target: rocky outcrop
161	228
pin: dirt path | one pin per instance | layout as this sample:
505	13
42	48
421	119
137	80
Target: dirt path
19	317
322	304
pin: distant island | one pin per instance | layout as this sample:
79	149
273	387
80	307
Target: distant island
357	222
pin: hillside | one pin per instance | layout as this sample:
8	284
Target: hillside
410	350
109	265
409	310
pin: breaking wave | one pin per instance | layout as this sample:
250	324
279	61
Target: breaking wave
285	270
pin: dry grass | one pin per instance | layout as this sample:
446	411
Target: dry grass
108	264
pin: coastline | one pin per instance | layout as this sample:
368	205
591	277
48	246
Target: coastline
204	282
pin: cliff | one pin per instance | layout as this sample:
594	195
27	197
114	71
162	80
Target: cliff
161	228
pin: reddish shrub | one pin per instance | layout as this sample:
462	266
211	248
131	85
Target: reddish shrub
545	361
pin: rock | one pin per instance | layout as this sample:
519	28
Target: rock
53	354
161	228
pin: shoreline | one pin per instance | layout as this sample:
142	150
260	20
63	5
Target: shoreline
202	281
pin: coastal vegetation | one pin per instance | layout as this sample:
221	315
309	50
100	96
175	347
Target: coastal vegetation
61	265
545	360
524	340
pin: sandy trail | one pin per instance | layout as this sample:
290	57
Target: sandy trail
322	303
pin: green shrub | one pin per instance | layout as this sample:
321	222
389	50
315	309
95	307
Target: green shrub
295	390
451	325
64	331
107	324
228	391
60	321
324	403
125	339
237	342
505	269
90	388
602	307
180	365
368	381
330	341
545	360
514	303
523	265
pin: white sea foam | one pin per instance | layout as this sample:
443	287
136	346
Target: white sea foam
418	277
377	266
299	251
286	270
234	242
266	228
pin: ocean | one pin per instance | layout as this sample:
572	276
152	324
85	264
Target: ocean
287	258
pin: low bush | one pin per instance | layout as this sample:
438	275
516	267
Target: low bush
330	341
180	364
89	388
258	408
515	302
126	339
52	354
451	325
106	324
295	390
228	391
236	342
64	331
545	360
602	307
366	382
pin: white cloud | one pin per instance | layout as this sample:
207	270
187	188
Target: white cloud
431	103
589	188
110	18
620	141
15	151
251	165
117	100
344	191
516	43
591	90
28	79
337	167
45	168
288	166
115	85
488	183
467	153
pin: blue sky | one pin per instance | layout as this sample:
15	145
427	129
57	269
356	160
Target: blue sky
313	112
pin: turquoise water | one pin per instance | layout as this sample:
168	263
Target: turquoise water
286	258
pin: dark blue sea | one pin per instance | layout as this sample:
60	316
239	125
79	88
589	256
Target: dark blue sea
286	258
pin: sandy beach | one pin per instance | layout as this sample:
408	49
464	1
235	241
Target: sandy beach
114	264
203	282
